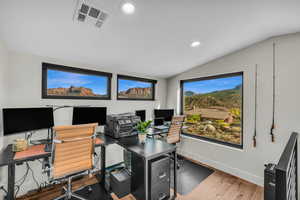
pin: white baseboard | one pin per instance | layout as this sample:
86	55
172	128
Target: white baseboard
225	168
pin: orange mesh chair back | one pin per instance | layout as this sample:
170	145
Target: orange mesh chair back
73	150
174	133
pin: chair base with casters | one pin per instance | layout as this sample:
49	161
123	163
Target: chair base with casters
68	192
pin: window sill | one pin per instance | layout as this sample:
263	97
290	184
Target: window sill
212	143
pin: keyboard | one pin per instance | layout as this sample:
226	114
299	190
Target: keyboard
162	127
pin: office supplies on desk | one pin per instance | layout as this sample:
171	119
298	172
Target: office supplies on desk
122	125
19	145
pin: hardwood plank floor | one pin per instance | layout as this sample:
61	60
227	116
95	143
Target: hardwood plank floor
218	186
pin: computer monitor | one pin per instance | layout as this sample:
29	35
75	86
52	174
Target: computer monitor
158	121
167	114
18	120
87	115
141	114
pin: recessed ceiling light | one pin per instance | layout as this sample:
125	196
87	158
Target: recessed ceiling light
128	8
195	44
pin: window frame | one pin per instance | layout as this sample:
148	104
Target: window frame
133	78
241	73
49	66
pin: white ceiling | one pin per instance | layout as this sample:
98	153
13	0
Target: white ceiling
154	41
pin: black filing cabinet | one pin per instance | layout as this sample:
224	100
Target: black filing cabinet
159	178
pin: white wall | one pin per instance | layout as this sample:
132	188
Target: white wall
24	90
249	162
3	67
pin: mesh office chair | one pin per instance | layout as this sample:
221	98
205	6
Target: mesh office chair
173	136
72	154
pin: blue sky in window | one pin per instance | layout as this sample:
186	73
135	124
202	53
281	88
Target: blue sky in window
126	84
207	86
63	79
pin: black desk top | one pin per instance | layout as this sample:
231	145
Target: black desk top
152	148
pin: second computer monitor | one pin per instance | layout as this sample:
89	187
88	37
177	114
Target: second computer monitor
87	115
18	120
141	114
167	114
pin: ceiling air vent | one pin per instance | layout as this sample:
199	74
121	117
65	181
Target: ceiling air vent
89	14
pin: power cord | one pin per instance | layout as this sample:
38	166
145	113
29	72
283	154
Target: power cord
22	180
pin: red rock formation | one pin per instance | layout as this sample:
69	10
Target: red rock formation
72	91
136	92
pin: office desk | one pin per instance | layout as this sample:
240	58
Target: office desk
150	150
8	158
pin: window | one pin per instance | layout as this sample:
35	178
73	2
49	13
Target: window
61	82
213	107
134	88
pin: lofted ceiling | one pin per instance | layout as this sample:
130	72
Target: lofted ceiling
154	41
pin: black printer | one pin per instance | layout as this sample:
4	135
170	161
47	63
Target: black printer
122	125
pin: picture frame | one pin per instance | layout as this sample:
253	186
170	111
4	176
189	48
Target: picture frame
64	82
144	88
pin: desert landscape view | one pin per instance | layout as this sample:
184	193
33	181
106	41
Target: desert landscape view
216	114
72	91
134	89
136	93
69	84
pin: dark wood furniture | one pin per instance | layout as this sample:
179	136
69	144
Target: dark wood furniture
150	150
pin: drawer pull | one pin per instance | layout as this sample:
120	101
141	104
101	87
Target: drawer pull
162	196
162	175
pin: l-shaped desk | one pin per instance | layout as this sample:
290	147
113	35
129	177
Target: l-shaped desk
151	149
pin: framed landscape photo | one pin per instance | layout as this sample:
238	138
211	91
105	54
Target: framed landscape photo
214	108
135	88
62	82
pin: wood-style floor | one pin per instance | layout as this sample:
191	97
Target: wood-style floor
219	186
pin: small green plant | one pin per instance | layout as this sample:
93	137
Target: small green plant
194	118
143	126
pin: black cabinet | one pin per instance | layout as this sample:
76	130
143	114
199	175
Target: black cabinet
138	177
159	182
159	178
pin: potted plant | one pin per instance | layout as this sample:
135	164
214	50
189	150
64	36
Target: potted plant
142	128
